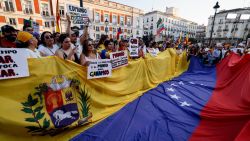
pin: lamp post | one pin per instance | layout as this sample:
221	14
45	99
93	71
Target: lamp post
212	30
106	28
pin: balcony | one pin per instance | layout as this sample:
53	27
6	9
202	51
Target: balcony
8	9
226	29
45	13
28	11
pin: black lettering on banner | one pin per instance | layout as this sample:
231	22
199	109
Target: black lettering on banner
7	73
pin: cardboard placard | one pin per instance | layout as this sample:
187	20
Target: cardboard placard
99	69
119	59
13	63
134	47
79	15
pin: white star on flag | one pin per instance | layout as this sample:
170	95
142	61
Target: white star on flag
191	82
173	85
202	85
170	89
181	83
174	96
184	103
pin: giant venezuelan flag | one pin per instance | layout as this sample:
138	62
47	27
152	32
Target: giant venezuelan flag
203	103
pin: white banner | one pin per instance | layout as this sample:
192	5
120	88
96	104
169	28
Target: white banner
99	68
79	15
134	47
119	59
13	63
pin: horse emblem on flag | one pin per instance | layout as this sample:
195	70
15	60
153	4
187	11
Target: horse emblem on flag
61	102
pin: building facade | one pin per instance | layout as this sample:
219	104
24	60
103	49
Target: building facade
230	25
128	18
13	12
174	25
201	33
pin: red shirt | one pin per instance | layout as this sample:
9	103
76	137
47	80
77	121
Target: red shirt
6	44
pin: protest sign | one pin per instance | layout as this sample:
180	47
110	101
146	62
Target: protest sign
119	59
153	52
79	15
133	47
99	69
13	63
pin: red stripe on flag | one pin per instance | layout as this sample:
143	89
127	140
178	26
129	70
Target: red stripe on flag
226	116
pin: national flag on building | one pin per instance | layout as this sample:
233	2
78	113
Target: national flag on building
119	31
160	26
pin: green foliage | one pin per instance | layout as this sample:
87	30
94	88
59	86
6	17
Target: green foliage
84	100
29	107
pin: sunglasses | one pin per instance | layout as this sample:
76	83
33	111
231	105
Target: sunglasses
90	44
49	37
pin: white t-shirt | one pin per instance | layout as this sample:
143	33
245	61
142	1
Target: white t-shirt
33	54
48	51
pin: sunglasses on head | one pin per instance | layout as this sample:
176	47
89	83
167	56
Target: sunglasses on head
49	37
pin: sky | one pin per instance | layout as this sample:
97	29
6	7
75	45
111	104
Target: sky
193	10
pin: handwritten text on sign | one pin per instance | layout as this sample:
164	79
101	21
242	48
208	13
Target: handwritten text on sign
79	15
13	63
119	59
99	68
134	47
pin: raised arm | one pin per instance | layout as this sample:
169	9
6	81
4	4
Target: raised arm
85	33
68	25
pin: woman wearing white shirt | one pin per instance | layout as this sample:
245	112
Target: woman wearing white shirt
47	48
26	40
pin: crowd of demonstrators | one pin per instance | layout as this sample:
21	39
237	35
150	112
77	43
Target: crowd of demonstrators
81	49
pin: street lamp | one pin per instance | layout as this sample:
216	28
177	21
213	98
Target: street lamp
211	34
106	28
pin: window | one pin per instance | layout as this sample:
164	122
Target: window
97	17
152	19
97	36
28	7
12	21
45	9
137	32
106	17
47	24
61	11
121	20
129	21
128	31
147	20
8	5
114	19
97	28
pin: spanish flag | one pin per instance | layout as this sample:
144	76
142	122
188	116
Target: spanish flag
57	17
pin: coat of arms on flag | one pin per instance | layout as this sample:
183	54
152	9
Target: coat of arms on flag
61	102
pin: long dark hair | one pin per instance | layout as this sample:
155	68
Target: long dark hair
85	47
42	37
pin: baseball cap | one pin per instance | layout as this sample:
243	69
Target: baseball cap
7	28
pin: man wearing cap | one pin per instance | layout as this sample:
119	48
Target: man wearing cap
73	32
8	40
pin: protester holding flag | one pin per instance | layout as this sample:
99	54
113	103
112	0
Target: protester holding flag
27	40
47	46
